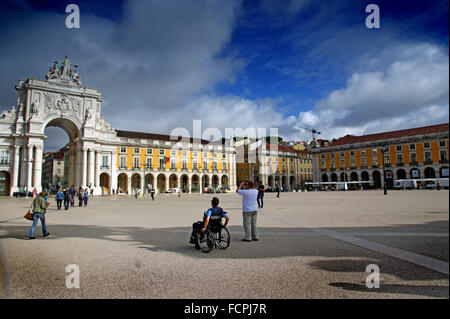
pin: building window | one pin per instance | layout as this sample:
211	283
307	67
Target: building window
123	161
184	154
149	162
215	155
161	152
173	152
149	151
136	150
205	165
224	155
214	165
342	154
332	155
427	156
426	145
59	162
352	153
399	148
323	156
443	155
363	162
161	163
399	159
184	164
194	154
123	150
412	146
136	162
58	171
205	154
413	158
352	162
387	159
173	164
363	152
441	143
194	165
224	166
105	161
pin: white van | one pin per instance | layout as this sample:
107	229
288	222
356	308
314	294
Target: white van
406	183
433	184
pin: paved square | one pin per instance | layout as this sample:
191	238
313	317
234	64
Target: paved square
313	245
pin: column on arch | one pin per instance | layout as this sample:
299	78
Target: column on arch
29	167
15	172
91	166
84	167
37	169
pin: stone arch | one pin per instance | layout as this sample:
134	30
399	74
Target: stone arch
69	125
443	171
173	181
224	181
5	183
149	180
376	175
344	177
353	176
215	181
195	184
105	182
122	183
291	182
270	181
205	182
161	183
284	181
184	183
334	177
401	174
429	172
324	178
136	181
414	173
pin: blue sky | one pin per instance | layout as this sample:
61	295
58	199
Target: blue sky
285	64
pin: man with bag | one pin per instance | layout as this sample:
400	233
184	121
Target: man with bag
39	209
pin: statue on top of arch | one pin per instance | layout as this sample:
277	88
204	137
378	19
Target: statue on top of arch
64	73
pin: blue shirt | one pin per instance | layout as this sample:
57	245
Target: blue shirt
249	199
210	211
60	195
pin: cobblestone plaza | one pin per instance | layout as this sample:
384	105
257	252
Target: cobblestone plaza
313	245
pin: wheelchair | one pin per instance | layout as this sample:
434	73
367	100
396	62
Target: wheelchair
215	236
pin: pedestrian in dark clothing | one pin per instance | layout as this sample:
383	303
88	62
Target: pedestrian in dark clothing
152	192
59	198
80	197
260	195
66	199
278	191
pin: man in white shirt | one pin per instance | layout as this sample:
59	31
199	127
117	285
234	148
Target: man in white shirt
249	209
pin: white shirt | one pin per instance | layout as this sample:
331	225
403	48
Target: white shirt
249	199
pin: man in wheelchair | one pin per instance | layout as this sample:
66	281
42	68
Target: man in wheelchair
211	219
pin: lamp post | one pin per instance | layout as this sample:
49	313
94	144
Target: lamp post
384	149
144	165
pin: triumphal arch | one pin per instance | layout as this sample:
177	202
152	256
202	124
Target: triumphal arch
60	100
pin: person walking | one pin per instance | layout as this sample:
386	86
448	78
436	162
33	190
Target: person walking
278	191
66	199
249	210
39	210
261	195
72	196
152	193
86	196
80	197
59	198
34	192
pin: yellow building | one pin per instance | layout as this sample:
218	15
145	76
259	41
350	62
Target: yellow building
193	166
273	165
408	154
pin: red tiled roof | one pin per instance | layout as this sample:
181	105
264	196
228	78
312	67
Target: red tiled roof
352	139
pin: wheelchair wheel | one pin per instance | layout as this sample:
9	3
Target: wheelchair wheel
222	238
205	242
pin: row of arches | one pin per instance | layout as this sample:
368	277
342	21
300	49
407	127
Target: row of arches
163	182
284	181
414	173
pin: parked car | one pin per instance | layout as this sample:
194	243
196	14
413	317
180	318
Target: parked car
22	194
269	190
433	184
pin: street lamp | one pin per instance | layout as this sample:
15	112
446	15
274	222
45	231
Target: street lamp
144	165
383	149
